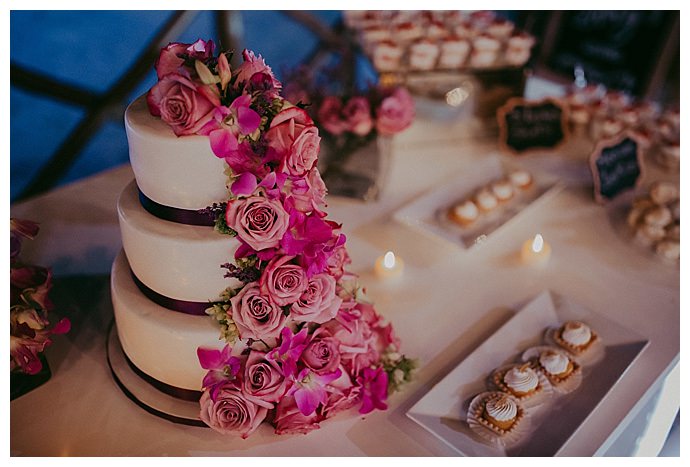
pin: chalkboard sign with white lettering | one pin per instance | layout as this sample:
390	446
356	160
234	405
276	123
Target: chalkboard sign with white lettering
616	167
531	125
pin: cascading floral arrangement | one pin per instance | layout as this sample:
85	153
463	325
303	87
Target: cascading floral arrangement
30	331
301	342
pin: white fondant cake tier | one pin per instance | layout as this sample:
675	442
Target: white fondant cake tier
160	342
176	260
181	172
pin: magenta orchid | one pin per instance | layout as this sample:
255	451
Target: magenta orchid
289	351
236	123
374	384
222	365
309	389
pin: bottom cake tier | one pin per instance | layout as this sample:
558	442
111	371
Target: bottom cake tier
160	342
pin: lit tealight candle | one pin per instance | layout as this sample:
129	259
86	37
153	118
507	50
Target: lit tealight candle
535	251
389	266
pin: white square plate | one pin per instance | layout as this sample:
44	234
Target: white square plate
442	410
428	214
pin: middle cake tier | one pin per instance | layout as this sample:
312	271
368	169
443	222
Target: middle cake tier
177	261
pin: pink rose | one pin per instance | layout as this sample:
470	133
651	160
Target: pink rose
264	383
345	396
294	141
322	354
358	342
253	65
319	302
303	153
255	315
258	221
170	61
182	104
337	262
282	281
308	193
290	420
357	113
329	117
231	412
395	113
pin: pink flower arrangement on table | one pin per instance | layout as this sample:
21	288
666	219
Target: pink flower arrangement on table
30	331
301	344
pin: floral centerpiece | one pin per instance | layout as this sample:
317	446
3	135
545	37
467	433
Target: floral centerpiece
301	343
30	329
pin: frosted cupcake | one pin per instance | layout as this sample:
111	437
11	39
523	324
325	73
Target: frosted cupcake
521	179
498	418
503	190
528	386
664	192
485	51
519	49
564	373
423	55
464	213
500	28
579	340
454	52
407	32
387	55
486	200
436	30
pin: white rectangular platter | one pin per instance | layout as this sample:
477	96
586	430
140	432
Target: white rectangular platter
428	213
442	410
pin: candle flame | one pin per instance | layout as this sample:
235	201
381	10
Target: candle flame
538	243
389	260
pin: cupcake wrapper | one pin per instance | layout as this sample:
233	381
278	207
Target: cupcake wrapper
532	402
590	356
561	387
518	432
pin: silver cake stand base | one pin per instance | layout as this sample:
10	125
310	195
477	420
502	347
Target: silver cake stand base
143	393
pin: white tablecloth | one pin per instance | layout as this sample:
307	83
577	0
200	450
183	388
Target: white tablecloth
447	303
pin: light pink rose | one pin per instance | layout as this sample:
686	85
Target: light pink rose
169	60
357	113
395	113
345	395
283	281
264	383
181	103
294	141
358	342
231	412
308	192
290	420
337	262
303	153
255	315
329	116
253	65
319	302
322	354
259	222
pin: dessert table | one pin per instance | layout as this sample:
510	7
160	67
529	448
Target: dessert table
446	304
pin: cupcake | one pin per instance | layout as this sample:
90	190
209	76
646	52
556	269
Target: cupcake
464	213
611	127
423	55
664	192
374	34
578	115
668	250
407	32
519	49
579	340
528	386
648	235
617	100
629	116
498	418
436	30
466	29
485	51
454	52
500	28
521	179
387	55
562	371
659	216
503	190
486	200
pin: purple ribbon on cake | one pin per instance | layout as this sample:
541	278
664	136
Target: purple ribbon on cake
174	304
179	215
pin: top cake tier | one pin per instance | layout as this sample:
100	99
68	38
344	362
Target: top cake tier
180	172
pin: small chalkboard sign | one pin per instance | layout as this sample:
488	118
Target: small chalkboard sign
616	166
527	126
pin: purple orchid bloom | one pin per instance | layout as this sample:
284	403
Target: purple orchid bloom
223	367
374	387
309	389
236	121
288	353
